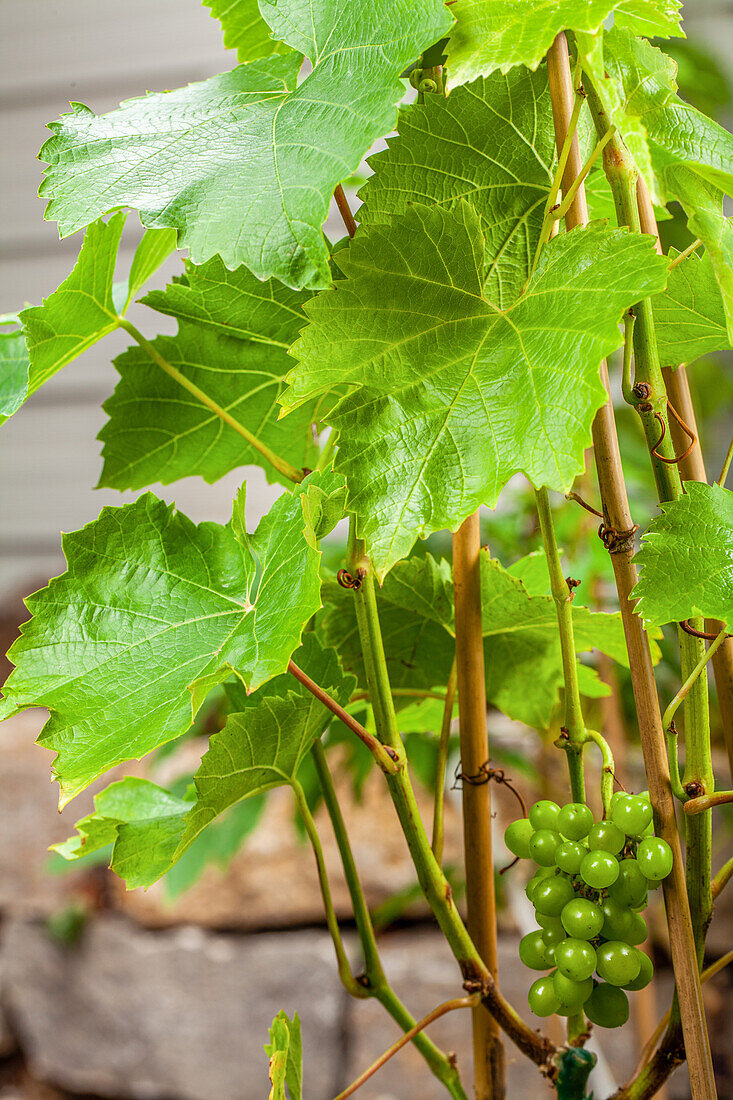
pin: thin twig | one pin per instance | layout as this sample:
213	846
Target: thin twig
388	759
345	210
441	1010
442	764
687	252
707	802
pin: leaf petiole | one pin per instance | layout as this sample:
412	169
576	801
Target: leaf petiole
281	465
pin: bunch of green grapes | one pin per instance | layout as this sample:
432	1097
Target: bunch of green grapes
589	892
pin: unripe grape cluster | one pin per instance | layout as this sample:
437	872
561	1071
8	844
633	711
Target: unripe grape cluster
589	892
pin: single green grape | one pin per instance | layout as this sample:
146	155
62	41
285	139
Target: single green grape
544	814
517	837
654	857
575	820
607	1006
542	998
606	837
569	856
576	959
617	919
554	935
548	922
537	877
532	951
630	887
638	931
645	975
599	869
551	896
618	963
632	815
582	919
571	994
542	846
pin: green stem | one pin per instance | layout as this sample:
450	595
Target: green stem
577	183
626	382
562	595
442	763
376	984
433	882
722	878
675	778
726	466
326	456
562	161
348	980
607	769
281	465
684	690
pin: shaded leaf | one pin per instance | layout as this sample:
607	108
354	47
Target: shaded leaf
689	317
452	396
216	846
499	34
521	642
141	820
245	163
151	613
686	558
263	743
285	1051
244	29
159	432
504	130
14	366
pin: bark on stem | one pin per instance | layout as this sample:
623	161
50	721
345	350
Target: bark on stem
488	1050
617	519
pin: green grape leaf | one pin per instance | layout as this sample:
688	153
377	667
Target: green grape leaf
521	642
152	252
215	846
689	317
141	820
244	29
686	558
503	127
263	743
151	613
452	396
681	153
499	34
81	311
245	163
702	202
84	308
14	366
522	652
415	616
285	1051
159	432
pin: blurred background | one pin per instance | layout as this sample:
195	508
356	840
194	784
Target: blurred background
169	994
